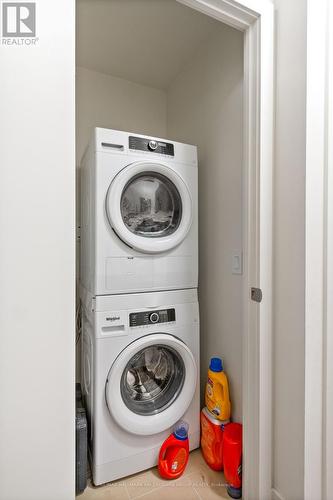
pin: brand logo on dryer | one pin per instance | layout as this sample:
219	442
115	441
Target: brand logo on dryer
112	318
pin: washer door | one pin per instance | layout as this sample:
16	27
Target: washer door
151	384
149	207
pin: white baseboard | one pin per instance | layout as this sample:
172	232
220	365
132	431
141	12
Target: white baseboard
276	495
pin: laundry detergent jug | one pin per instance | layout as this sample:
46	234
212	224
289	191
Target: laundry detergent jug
174	452
217	391
212	431
232	459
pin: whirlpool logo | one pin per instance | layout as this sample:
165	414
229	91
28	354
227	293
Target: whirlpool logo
19	23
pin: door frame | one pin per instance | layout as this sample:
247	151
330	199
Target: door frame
318	445
255	18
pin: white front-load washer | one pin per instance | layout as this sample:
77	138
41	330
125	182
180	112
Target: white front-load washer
140	375
139	214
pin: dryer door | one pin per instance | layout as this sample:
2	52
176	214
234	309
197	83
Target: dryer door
149	207
151	384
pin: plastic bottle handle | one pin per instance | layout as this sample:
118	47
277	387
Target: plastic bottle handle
161	459
162	453
220	391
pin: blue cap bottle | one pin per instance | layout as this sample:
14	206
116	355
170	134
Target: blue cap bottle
216	365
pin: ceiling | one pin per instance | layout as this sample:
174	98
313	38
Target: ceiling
145	41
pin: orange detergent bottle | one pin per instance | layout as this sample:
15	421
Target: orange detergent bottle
212	431
174	452
217	391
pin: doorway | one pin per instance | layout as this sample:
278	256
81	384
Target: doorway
127	93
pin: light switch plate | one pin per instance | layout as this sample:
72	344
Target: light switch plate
237	262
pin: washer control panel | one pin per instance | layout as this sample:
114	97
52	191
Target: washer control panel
150	145
152	317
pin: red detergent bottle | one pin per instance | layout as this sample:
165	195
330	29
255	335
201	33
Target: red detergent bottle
232	459
212	431
174	452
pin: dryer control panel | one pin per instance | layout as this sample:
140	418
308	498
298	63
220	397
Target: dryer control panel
150	145
152	317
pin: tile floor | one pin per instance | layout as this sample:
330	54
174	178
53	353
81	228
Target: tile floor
198	482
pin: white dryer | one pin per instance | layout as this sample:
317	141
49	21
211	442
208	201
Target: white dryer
139	217
140	375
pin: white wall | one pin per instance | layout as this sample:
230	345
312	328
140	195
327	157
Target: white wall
106	101
328	373
289	260
37	261
205	108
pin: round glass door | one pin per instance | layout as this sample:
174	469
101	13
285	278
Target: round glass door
152	380
151	205
151	383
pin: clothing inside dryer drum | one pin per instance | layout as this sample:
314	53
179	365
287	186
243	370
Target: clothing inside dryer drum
152	380
151	205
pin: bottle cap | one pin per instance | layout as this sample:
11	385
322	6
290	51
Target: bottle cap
216	365
180	430
234	492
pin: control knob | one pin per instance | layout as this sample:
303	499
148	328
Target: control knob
152	145
154	317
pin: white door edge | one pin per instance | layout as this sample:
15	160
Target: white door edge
318	445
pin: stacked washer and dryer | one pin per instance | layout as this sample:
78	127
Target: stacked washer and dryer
138	277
